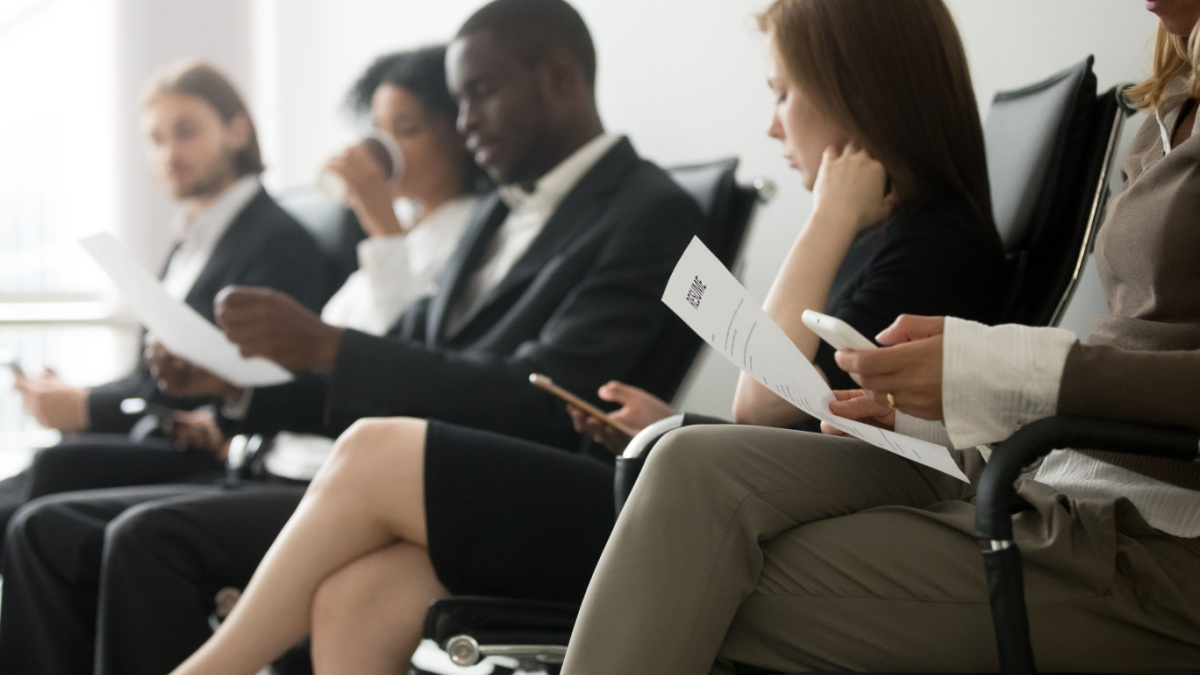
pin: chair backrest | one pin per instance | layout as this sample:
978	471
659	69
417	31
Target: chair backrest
1050	146
727	208
333	226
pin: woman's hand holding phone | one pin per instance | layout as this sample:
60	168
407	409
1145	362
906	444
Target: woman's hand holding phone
909	367
639	409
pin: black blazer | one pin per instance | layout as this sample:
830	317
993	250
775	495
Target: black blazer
582	305
263	246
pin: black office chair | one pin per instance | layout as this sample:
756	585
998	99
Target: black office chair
537	632
728	209
1050	148
334	227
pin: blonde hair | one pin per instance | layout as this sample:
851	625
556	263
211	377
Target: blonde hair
894	76
1173	56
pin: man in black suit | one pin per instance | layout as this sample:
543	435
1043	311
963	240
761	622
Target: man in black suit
202	146
561	272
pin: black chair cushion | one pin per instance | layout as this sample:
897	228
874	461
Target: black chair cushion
334	228
1025	134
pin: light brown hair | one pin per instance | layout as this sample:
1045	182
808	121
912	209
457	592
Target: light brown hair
894	76
201	80
1173	56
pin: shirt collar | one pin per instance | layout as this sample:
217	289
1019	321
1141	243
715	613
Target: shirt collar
203	230
552	187
1168	111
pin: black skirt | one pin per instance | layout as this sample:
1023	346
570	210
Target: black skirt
512	518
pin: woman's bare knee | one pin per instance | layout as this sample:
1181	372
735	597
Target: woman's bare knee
378	469
373	445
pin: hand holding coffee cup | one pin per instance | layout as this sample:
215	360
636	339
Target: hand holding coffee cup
365	177
385	156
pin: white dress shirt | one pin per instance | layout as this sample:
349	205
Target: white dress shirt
528	213
393	273
198	235
1169	110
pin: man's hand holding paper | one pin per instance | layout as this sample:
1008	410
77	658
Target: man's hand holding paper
181	378
178	327
266	323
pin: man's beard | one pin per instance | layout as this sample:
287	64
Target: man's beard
210	184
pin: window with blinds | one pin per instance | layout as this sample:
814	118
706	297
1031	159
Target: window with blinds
56	185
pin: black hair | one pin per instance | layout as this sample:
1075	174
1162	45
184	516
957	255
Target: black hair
421	72
535	27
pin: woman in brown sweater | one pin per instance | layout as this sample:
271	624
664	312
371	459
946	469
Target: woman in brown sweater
793	551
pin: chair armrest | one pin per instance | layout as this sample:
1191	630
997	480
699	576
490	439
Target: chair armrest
247	457
992	514
646	438
629	464
997	494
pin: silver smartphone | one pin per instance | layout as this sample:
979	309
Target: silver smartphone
835	331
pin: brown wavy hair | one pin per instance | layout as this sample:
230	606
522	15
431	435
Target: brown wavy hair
894	76
201	80
1173	56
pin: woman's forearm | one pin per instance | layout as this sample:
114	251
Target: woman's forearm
803	283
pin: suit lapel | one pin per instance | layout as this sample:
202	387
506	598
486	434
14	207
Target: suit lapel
162	274
582	205
489	215
229	248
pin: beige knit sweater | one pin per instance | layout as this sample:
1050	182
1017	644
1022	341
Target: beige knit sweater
1141	361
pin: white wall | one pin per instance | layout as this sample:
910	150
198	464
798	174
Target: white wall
149	34
683	77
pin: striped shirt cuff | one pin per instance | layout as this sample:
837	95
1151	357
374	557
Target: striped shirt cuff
995	379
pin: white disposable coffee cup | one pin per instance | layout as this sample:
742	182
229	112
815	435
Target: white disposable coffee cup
382	148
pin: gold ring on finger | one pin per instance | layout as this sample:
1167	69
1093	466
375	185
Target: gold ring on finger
891	401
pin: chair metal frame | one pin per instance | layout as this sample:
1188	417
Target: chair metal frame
1099	202
997	492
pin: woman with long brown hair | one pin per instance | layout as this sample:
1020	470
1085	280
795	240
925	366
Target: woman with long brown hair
791	551
876	111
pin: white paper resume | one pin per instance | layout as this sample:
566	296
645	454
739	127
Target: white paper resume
710	300
179	327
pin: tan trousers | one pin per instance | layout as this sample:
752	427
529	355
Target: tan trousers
795	551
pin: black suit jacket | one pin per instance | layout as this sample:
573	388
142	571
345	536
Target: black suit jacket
263	246
582	305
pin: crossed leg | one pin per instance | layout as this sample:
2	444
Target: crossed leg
361	521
